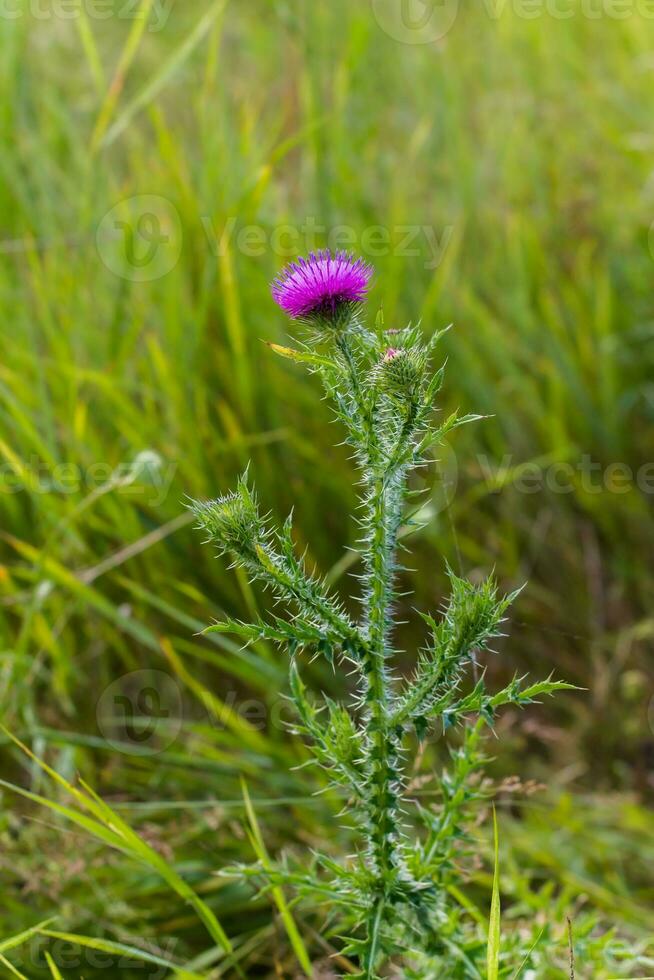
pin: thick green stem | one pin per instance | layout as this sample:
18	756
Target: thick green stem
384	516
383	744
364	409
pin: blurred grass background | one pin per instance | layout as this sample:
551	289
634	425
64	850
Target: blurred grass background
500	178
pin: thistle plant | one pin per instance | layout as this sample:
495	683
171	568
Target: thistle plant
393	896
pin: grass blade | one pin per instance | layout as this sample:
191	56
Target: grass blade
120	949
278	895
12	969
494	925
163	76
117	82
531	949
110	827
22	937
54	969
90	48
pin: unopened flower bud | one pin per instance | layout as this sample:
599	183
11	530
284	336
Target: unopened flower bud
402	373
232	520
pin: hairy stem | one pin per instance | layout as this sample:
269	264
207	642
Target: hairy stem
383	744
364	409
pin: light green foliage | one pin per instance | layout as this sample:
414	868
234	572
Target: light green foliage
398	884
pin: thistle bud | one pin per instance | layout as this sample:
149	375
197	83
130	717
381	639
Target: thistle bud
402	373
233	520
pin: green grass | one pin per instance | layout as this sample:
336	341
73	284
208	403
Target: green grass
522	145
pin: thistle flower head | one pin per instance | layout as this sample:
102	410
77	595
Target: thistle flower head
324	288
233	520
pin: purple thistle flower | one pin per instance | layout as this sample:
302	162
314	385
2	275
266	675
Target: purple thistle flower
324	286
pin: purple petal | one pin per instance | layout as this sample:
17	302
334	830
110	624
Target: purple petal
321	283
